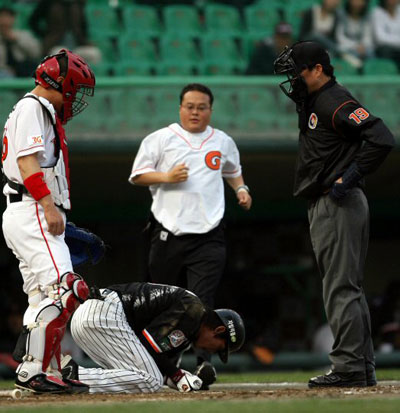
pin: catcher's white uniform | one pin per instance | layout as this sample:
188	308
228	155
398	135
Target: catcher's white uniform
197	205
43	257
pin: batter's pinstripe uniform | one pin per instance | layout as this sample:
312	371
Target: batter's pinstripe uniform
133	333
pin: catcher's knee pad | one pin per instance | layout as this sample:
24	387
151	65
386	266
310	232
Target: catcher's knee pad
71	291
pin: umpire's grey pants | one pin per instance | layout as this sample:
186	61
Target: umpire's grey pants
339	235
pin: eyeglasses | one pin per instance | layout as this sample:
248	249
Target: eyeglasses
193	108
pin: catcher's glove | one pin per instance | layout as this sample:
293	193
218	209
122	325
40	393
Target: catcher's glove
84	246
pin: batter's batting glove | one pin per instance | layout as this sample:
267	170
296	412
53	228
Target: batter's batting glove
350	179
84	246
184	381
207	373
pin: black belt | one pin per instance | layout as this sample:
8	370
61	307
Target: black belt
15	197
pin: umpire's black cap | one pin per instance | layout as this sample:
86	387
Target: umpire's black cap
307	54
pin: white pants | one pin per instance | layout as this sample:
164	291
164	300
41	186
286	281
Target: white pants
43	258
101	329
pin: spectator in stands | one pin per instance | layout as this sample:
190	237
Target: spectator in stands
268	49
319	24
354	32
386	30
19	50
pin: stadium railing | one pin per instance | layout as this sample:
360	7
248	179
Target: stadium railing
253	110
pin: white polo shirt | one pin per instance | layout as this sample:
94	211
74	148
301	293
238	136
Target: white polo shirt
197	205
28	130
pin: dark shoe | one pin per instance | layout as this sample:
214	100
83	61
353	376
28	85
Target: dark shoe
70	376
43	384
337	379
371	375
76	386
207	374
69	368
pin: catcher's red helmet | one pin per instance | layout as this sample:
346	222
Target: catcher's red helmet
79	81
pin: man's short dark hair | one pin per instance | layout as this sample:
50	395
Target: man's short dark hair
198	87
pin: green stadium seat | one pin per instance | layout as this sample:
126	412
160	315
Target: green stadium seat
141	19
221	18
8	100
137	48
102	18
257	108
138	110
176	47
220	47
225	114
177	68
107	45
380	67
24	11
182	18
250	42
220	68
261	20
103	69
166	106
294	15
134	68
343	67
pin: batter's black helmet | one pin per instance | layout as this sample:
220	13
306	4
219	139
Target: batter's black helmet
235	332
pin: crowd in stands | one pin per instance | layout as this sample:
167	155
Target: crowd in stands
207	37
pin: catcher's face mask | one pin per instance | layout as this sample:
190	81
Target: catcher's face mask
295	87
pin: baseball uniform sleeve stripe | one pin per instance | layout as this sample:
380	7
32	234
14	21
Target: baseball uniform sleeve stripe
47	244
150	339
337	109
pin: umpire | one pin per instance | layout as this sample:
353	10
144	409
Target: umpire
340	142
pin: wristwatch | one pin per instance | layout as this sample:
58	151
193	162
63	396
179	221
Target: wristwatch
242	188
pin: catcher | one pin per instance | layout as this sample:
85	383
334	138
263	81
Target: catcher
137	331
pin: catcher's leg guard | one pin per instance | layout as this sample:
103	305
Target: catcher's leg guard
46	333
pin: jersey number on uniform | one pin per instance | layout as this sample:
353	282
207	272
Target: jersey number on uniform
5	149
213	160
359	115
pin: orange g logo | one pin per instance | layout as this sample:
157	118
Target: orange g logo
213	160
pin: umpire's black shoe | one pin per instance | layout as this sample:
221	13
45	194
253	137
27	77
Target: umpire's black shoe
42	384
207	373
337	379
371	375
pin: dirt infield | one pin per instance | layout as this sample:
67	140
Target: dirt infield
239	391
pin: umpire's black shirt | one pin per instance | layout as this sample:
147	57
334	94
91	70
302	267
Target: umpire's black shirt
337	131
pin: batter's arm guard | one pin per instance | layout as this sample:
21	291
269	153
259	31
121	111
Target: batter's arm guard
84	246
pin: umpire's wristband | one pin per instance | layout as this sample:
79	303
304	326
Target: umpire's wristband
242	188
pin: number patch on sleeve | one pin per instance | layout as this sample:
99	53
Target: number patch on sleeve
359	115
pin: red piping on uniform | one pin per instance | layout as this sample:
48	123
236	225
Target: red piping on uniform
139	169
31	147
233	172
334	113
45	239
205	140
151	341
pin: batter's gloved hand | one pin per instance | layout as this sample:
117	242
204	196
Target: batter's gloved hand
184	381
84	246
350	179
207	373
